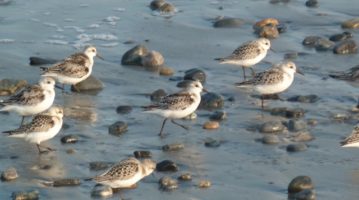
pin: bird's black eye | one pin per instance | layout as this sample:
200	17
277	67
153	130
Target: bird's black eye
291	66
93	50
48	82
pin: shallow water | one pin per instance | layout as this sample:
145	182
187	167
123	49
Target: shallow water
240	168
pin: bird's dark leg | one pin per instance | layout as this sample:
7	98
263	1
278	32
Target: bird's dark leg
183	126
262	99
244	73
22	120
163	124
47	149
253	72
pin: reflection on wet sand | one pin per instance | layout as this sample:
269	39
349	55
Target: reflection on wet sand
80	107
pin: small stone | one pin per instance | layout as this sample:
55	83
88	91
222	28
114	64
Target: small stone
294	113
312	98
195	74
142	154
204	184
300	183
272	127
156	4
311	3
98	165
351	24
67	182
31	195
269	31
134	56
70	151
123	109
346	47
302	136
323	44
281	28
166	71
211	101
265	22
297	125
211	125
167	183
167	8
118	128
185	177
9	174
306	194
152	61
41	61
89	84
340	117
212	143
191	116
157	95
100	190
167	166
9	86
291	56
297	147
270	139
311	41
312	122
218	116
228	23
341	36
173	147
67	139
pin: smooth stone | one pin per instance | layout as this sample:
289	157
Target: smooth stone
294	113
211	101
41	61
195	74
9	174
346	47
297	125
166	71
306	194
123	109
185	177
269	31
212	143
167	183
272	127
67	182
167	8
98	165
270	139
278	1
265	22
100	190
351	24
228	23
173	147
67	139
118	128
157	95
10	86
311	3
282	28
341	36
323	44
312	98
204	184
89	84
300	183
167	166
210	125
134	55
218	116
31	195
297	147
340	117
152	61
142	154
311	41
302	136
156	4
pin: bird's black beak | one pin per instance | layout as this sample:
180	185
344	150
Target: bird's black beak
98	56
299	72
204	90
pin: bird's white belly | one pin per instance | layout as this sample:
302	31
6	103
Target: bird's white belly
273	88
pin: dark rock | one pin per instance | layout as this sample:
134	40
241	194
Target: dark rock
31	195
89	84
294	113
228	23
311	41
204	184
270	139
9	86
97	165
346	47
311	3
300	183
351	24
302	136
272	127
69	139
341	36
118	128
157	95
167	166
67	182
123	109
297	125
195	74
167	183
282	28
142	154
173	147
278	1
323	44
297	147
211	101
134	55
185	177
41	61
100	190
156	4
306	194
218	116
9	174
312	98
212	143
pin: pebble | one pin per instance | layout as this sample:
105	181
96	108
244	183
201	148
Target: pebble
31	195
228	23
296	125
341	36
204	184
340	117
297	147
191	116
323	44
311	3
167	166
346	47
173	147
265	22
167	8
41	61
98	165
152	61
157	95
118	128
218	116
67	139
67	182
312	98
167	183
100	190
311	41
211	125
303	195
300	183
270	139
269	31
281	28
302	136
142	154
134	55
10	86
185	177
351	24
195	74
272	127
123	109
294	113
166	71
9	174
89	84
312	122
211	101
156	4
212	143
